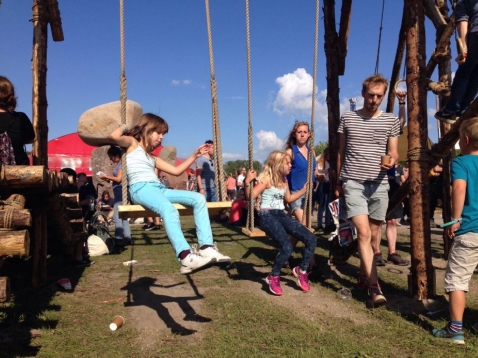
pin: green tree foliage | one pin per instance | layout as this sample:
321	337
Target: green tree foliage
320	147
233	166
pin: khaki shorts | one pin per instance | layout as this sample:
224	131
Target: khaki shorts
462	261
367	198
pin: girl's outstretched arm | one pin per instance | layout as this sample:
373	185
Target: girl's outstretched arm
118	137
258	188
181	168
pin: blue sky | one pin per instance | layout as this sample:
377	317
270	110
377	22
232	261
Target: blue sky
167	64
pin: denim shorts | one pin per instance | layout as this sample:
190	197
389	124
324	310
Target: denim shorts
462	261
298	204
367	198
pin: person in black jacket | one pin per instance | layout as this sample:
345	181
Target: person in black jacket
16	124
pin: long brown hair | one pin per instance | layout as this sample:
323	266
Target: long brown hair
291	139
8	101
148	124
323	157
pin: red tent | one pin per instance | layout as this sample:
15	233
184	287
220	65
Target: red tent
69	151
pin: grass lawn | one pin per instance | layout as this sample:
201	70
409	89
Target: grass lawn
222	311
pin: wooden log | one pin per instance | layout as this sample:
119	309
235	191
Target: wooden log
71	200
18	219
77	225
74	213
4	289
14	243
96	124
23	177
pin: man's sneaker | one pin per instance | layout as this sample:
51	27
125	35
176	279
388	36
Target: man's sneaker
376	296
455	337
213	253
379	261
396	259
446	116
303	278
362	282
192	262
274	284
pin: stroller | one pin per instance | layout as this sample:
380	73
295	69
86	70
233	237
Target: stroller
344	238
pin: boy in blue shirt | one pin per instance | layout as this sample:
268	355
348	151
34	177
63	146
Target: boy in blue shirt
463	257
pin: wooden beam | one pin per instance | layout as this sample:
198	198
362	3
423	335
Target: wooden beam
55	20
137	211
442	49
344	29
397	64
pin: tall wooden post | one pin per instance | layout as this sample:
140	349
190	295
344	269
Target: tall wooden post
421	279
335	52
40	125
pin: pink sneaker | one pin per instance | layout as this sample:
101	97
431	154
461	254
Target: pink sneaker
362	282
274	284
303	279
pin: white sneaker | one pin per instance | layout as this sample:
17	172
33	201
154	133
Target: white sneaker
193	261
214	254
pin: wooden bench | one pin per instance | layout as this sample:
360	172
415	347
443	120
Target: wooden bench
137	211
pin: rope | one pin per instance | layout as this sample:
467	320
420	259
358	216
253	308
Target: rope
8	218
379	39
216	131
308	196
124	179
250	212
418	154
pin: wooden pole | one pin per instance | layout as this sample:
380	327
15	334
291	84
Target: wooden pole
421	279
39	118
397	64
345	16
333	100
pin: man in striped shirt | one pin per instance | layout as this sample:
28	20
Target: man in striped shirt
365	136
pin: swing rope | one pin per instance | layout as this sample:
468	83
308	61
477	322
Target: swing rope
123	98
219	174
309	190
379	39
250	212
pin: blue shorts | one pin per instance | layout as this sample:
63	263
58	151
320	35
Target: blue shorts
298	204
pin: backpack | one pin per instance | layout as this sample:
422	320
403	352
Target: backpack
7	155
99	226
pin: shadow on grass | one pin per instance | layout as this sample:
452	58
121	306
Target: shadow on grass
21	318
142	295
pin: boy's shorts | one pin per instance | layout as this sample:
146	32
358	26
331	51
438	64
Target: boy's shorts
298	204
462	261
366	198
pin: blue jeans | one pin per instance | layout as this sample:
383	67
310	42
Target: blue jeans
277	225
211	195
465	84
122	229
324	198
155	197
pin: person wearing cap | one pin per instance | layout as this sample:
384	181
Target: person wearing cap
205	173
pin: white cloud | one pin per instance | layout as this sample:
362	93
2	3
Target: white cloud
431	112
294	97
269	141
181	82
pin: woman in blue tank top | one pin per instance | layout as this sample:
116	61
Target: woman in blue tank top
145	189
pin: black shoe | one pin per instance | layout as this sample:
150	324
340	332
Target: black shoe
446	116
83	263
379	261
149	227
329	229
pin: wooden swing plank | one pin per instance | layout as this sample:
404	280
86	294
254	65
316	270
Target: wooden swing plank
137	211
255	232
